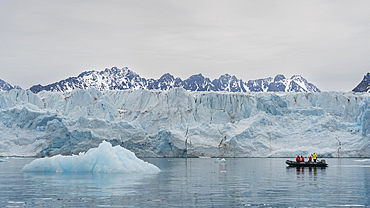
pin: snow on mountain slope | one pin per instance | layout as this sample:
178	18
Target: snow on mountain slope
4	86
109	79
124	79
179	123
281	84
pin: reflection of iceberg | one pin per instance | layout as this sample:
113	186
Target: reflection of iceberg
87	184
104	159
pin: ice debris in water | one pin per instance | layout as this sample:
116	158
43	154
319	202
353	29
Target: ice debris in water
220	160
363	160
104	159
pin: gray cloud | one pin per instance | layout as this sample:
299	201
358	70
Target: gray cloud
327	42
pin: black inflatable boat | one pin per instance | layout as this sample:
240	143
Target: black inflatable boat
321	163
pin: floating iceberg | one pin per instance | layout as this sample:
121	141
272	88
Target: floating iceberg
104	159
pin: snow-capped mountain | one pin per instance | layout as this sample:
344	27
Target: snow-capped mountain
229	84
123	79
4	86
166	82
109	79
364	85
281	84
180	123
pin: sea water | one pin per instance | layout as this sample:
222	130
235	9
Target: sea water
193	182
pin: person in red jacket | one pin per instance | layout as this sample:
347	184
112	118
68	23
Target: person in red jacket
302	158
298	159
310	159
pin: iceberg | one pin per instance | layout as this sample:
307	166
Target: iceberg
104	159
179	123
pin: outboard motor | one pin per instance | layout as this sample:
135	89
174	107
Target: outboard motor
323	161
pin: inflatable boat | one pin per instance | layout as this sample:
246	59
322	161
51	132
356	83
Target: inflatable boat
321	163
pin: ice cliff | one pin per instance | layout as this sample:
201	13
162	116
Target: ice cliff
179	123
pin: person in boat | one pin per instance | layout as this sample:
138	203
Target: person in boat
298	159
310	159
314	156
302	158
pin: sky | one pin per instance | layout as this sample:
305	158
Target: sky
327	42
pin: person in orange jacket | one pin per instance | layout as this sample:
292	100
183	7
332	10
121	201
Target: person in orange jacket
298	159
302	158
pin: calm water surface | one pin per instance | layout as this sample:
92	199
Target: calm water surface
240	182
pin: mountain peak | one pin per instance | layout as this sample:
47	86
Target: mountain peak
225	76
167	76
5	86
197	76
122	79
297	77
279	77
198	82
364	85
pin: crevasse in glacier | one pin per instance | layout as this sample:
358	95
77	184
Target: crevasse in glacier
178	123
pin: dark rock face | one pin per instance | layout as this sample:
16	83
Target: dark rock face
364	85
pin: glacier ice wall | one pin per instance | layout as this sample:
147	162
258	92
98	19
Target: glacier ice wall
178	123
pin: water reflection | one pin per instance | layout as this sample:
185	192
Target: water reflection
88	184
308	175
306	170
240	182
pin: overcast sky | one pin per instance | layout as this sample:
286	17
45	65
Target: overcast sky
327	42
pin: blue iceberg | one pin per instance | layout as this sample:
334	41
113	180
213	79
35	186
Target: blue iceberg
104	159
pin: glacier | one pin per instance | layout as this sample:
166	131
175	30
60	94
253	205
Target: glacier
104	159
180	123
